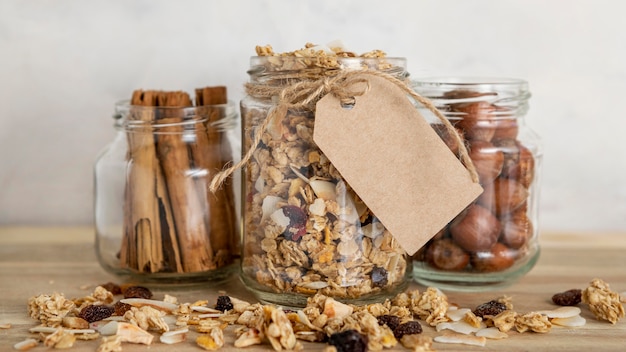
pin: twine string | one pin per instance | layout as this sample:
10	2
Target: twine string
344	86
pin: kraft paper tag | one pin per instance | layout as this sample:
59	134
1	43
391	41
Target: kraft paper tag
394	161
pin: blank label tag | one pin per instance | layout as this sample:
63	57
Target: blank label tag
394	161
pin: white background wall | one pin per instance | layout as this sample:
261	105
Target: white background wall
64	63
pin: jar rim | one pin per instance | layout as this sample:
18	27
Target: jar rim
184	115
469	81
260	64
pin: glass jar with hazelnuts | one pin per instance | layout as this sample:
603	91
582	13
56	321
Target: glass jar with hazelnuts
493	242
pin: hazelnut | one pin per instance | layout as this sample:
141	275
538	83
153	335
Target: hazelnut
446	255
477	120
507	126
524	169
499	258
516	229
476	229
487	159
488	198
509	195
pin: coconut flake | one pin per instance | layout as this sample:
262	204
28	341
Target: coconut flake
492	333
203	309
280	219
259	184
270	204
574	321
133	334
160	305
323	189
50	330
26	345
463	339
336	309
561	312
174	336
458	326
211	315
315	285
318	207
108	329
457	314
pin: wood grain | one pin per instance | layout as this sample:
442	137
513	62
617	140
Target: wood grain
47	260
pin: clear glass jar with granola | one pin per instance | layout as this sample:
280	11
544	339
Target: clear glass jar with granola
305	231
493	242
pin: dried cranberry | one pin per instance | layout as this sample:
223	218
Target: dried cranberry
121	308
379	277
408	328
137	292
391	321
93	313
568	298
348	341
297	222
223	303
113	288
492	308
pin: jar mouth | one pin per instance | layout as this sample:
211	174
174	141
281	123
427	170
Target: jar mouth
478	84
495	97
162	116
268	65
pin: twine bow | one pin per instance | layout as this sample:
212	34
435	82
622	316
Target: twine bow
345	86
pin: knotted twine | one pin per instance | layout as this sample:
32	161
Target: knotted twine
304	94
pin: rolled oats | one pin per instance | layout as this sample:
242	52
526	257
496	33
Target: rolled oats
60	339
110	344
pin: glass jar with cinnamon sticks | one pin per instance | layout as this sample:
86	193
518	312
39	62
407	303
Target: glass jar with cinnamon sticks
155	218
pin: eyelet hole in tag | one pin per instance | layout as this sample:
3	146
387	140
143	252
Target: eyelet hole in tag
394	161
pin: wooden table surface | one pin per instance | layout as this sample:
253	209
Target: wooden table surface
47	260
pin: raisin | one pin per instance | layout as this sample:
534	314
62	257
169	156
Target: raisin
137	292
113	288
348	341
490	308
391	321
297	222
223	303
379	277
121	308
568	298
93	313
408	328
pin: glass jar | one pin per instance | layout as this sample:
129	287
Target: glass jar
305	231
493	242
155	219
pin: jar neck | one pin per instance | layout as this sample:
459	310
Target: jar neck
286	70
492	98
129	117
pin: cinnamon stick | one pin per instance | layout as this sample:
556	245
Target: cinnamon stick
148	220
223	235
187	203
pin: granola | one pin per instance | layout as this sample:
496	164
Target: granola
110	344
50	309
532	322
603	303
